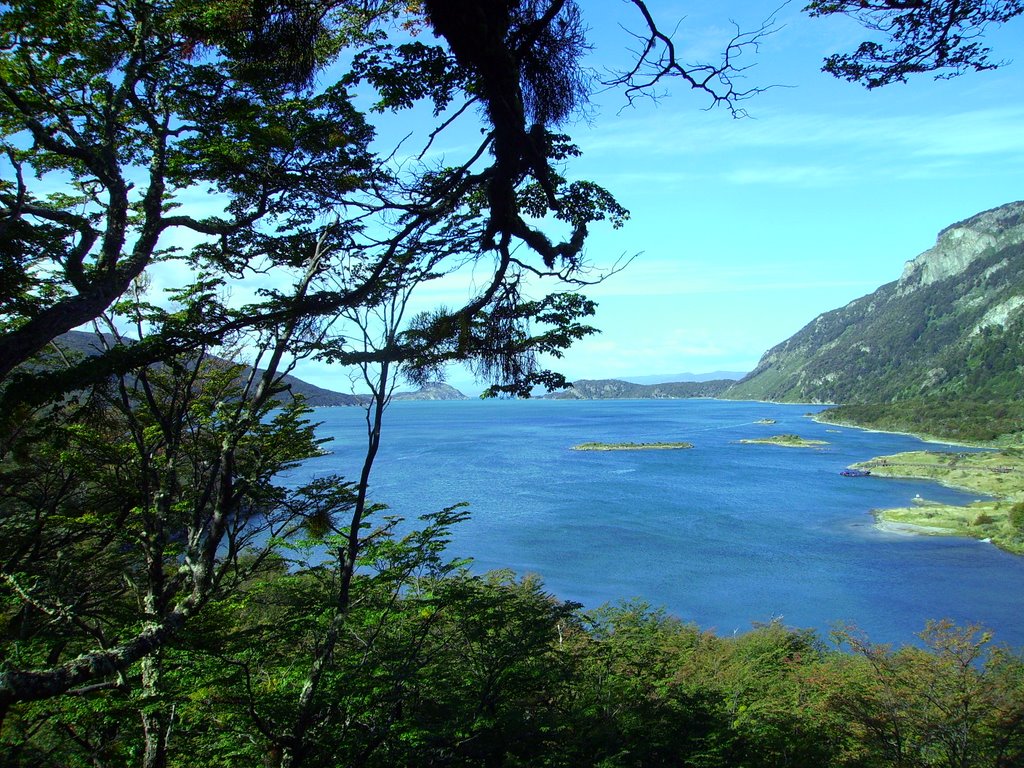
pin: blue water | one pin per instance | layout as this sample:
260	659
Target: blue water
723	535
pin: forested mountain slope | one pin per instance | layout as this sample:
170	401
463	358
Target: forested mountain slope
950	328
82	343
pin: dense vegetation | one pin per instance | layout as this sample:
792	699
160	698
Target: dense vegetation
958	420
167	598
412	660
442	668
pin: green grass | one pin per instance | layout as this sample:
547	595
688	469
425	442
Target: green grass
999	474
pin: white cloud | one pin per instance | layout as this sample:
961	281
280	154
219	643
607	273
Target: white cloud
962	134
791	175
679	278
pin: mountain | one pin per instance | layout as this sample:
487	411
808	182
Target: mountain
614	389
319	397
666	378
951	328
87	344
432	390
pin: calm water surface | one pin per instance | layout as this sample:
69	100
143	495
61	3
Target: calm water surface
722	535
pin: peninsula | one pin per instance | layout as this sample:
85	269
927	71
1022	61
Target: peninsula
996	474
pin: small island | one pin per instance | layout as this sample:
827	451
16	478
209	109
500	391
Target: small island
789	441
765	421
631	446
997	474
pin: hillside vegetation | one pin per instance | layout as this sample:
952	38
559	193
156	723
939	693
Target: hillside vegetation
77	344
466	670
943	342
969	421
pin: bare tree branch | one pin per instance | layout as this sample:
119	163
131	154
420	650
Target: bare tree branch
659	60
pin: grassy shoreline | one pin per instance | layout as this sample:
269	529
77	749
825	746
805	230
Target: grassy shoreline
996	474
958	422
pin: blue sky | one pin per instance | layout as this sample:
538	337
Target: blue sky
745	230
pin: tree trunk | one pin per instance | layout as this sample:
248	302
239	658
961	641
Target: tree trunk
156	722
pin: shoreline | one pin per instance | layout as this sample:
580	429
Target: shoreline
924	437
913	529
998	476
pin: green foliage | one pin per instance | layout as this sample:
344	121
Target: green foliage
144	513
940	36
951	419
1017	516
408	73
946	703
166	597
436	665
215	100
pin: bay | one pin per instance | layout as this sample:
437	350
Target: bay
723	535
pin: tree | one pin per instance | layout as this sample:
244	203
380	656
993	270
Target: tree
194	108
955	702
139	484
127	514
941	36
1017	517
110	112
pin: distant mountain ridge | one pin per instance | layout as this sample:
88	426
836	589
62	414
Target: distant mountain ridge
952	326
614	389
85	343
672	378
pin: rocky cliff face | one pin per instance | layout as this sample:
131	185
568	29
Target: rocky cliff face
952	325
959	245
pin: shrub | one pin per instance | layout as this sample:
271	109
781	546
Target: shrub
1017	516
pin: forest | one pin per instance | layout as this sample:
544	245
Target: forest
211	188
